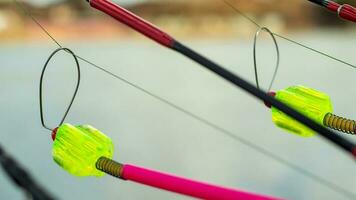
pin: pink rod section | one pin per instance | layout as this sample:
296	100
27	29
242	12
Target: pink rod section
185	186
133	21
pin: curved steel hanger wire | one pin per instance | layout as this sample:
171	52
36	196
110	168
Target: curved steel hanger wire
41	86
255	56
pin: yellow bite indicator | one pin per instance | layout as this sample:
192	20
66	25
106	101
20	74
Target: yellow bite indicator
313	104
77	149
309	102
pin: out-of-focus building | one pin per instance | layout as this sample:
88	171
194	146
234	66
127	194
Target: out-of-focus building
215	17
15	23
11	21
197	18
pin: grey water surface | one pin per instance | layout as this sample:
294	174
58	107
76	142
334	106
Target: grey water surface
154	135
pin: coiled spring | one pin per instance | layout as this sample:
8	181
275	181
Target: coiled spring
109	166
339	123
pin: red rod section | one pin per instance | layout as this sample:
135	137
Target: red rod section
185	186
345	11
133	21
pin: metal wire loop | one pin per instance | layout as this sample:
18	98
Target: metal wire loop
255	56
41	85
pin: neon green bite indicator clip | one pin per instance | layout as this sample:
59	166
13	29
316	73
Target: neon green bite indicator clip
77	149
313	104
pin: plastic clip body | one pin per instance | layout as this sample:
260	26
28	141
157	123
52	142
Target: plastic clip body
312	103
77	149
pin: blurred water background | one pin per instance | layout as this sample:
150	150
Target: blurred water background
151	134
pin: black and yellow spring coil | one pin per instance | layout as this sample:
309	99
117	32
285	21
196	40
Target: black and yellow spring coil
109	166
340	124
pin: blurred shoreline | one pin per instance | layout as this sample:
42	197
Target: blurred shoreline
183	19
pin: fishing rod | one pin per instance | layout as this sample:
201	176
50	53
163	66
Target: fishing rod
310	102
85	151
154	33
22	178
314	177
261	150
344	11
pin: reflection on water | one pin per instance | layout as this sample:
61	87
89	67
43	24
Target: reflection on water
151	134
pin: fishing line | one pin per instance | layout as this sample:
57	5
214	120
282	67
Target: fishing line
28	13
314	177
255	56
287	39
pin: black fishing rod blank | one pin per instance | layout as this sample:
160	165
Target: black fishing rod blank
151	31
22	178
